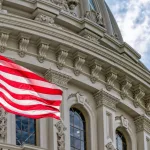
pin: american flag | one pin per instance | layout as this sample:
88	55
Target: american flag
25	93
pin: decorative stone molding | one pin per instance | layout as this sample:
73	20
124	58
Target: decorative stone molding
110	145
138	94
3	123
142	123
124	121
3	41
79	60
60	135
81	99
57	78
111	76
23	44
61	55
104	98
43	47
147	104
95	70
125	85
95	17
90	35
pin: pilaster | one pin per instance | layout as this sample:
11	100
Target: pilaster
142	124
61	80
106	107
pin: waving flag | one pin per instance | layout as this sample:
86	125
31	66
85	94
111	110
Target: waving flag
24	93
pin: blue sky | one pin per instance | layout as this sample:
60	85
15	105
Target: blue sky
133	17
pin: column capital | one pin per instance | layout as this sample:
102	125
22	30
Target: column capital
57	78
142	123
106	99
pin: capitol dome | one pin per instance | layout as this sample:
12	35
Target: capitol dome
77	45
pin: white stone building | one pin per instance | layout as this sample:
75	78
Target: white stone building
77	45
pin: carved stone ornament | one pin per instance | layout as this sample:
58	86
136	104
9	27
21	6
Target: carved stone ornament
104	98
42	51
57	78
60	135
23	45
124	121
61	56
110	145
81	99
138	94
110	76
61	3
79	60
147	104
94	17
3	41
125	85
72	4
3	122
45	19
95	70
142	123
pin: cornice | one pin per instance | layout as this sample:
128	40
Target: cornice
106	99
105	54
142	123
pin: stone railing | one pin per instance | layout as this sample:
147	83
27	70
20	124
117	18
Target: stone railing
4	146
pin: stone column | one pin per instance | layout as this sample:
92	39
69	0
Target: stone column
106	107
57	139
142	124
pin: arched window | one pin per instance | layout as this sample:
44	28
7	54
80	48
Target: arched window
77	130
91	5
25	130
120	141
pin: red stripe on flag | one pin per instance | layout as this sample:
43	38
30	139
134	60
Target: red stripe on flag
25	93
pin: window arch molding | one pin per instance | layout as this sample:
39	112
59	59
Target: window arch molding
90	118
128	134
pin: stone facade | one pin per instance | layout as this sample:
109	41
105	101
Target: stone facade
79	50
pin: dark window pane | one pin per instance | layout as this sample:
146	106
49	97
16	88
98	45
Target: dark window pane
25	131
76	121
72	141
77	143
77	130
71	131
82	145
120	141
82	136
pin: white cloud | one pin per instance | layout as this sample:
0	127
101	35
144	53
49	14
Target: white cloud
133	17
